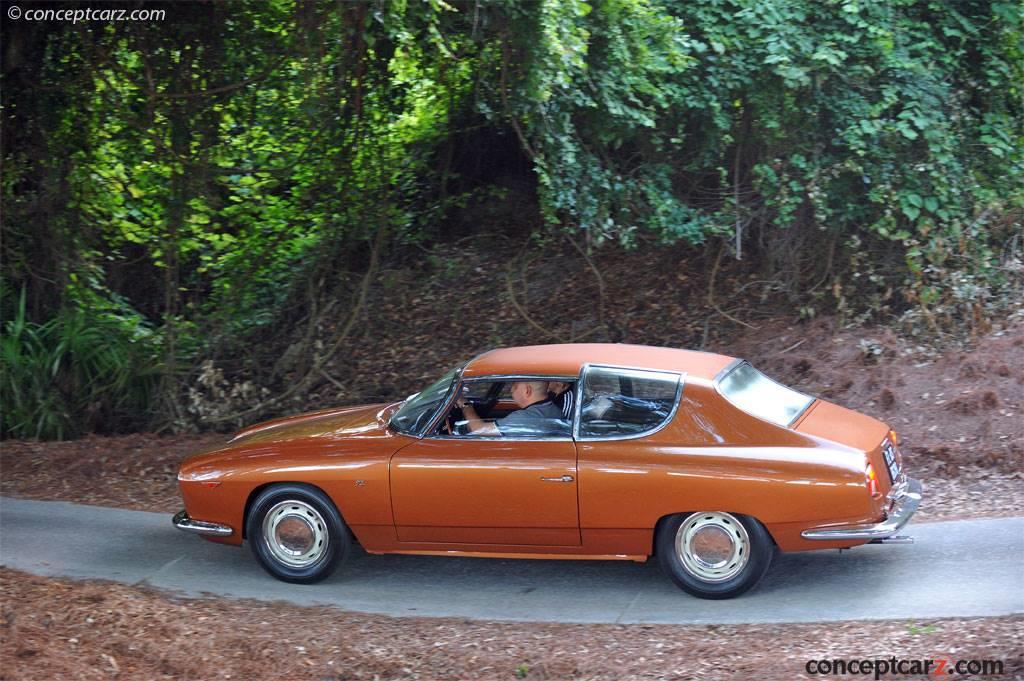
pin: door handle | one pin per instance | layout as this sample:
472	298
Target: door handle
563	478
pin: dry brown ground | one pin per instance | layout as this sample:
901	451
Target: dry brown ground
56	629
128	471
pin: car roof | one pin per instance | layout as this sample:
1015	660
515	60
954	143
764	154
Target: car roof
567	359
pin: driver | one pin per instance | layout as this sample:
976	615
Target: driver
536	415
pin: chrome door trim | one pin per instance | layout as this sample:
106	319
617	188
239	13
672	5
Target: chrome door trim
680	381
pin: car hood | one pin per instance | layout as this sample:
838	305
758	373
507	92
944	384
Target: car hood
369	420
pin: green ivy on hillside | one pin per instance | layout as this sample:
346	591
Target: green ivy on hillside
224	184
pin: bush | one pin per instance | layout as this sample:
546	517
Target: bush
81	371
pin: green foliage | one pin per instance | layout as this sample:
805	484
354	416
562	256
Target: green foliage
209	188
211	175
597	81
76	371
895	127
916	630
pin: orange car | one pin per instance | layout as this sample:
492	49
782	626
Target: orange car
598	451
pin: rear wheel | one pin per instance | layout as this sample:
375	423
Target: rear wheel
714	554
296	533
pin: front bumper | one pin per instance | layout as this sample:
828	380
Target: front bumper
906	497
182	521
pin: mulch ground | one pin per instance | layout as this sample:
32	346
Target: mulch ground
55	629
128	471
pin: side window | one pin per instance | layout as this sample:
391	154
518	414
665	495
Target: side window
625	402
477	390
494	404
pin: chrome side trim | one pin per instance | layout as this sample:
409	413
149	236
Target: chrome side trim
725	372
575	425
904	505
494	438
449	398
803	411
577	408
183	522
520	377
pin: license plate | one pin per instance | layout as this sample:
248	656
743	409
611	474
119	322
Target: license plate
889	452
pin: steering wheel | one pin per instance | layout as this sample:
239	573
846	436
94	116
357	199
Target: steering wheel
483	406
450	420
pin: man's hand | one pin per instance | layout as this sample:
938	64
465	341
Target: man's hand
474	423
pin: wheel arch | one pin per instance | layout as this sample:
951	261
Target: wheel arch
256	491
748	555
668	516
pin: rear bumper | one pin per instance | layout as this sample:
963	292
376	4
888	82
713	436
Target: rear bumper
905	500
183	522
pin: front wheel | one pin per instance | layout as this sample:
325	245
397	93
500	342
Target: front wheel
714	554
296	533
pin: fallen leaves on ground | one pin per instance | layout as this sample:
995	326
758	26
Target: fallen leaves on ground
55	628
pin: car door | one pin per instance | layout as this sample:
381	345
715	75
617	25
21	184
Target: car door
486	490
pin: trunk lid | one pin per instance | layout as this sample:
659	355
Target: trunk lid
841	425
857	431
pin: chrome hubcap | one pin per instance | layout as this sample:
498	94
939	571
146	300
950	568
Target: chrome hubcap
713	547
295	533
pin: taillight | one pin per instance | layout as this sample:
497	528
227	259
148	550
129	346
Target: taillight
892	438
871	480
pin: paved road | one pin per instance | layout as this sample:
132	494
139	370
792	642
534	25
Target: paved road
959	568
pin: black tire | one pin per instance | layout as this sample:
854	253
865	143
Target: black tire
746	553
319	537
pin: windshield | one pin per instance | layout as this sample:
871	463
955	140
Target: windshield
756	394
416	412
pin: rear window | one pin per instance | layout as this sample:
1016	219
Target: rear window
760	396
625	402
